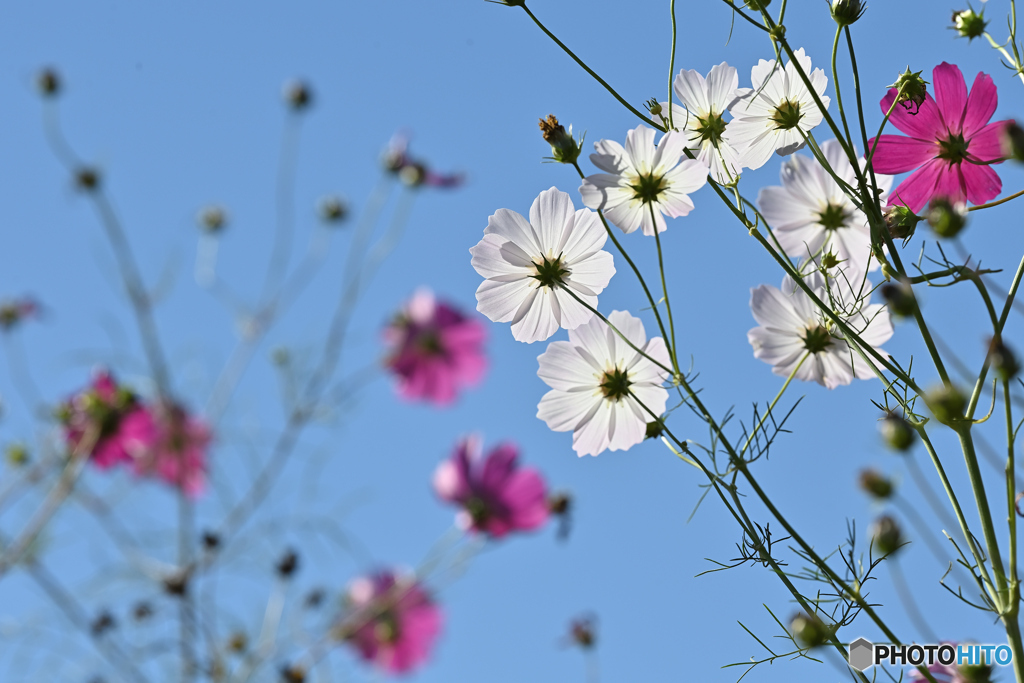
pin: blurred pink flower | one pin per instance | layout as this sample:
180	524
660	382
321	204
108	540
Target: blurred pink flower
414	172
949	141
15	311
951	673
434	349
176	446
393	621
115	412
496	497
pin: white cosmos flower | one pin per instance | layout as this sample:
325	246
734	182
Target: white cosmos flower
598	383
769	117
527	266
640	176
791	326
707	132
811	215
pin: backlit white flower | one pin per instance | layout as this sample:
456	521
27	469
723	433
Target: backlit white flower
702	121
811	215
770	117
527	266
640	176
791	326
598	383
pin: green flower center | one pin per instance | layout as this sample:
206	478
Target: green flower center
787	115
833	217
550	272
648	187
429	343
953	149
711	129
817	339
615	384
386	628
477	509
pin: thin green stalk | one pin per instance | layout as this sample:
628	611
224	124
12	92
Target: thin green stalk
672	63
664	289
996	202
590	71
771	406
835	84
988	530
860	105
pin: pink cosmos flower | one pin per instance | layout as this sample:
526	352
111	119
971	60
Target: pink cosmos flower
115	412
176	446
393	622
951	673
434	349
950	142
496	497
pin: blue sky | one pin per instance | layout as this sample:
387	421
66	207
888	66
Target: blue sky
180	107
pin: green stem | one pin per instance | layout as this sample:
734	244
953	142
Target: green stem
775	400
996	202
590	71
672	63
835	84
664	289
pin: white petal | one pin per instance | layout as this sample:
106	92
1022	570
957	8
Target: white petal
551	214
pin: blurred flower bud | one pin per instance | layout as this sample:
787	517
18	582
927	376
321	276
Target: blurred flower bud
314	598
298	95
238	642
1013	141
292	674
48	82
212	219
875	484
14	312
1002	359
757	5
974	673
897	432
946	403
846	12
900	221
946	218
912	89
583	633
142	611
87	179
102	623
17	455
900	298
176	583
969	24
287	565
333	209
412	174
211	541
564	148
886	535
810	629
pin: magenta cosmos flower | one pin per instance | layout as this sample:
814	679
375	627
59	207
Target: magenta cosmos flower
393	621
949	141
495	495
176	446
435	349
109	416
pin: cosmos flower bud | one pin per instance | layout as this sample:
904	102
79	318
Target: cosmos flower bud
655	429
1002	359
897	432
969	24
48	82
87	179
875	484
1013	141
333	209
212	219
16	455
900	221
564	148
947	218
298	95
912	89
846	12
886	536
810	629
287	565
975	673
757	5
946	403
582	632
900	298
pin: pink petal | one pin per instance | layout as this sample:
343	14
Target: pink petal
499	466
983	184
526	498
916	191
951	184
987	143
950	94
922	122
981	104
899	154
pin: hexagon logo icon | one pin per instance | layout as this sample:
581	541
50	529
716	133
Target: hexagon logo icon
862	654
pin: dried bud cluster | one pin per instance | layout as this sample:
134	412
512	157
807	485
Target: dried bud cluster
564	148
